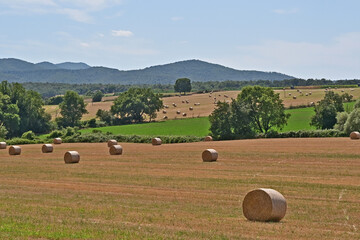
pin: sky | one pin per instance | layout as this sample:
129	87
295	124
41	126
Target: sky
301	38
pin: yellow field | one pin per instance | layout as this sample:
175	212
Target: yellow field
167	192
207	102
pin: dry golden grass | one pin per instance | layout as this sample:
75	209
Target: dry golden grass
207	103
168	192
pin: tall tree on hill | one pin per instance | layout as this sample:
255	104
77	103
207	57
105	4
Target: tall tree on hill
182	85
71	109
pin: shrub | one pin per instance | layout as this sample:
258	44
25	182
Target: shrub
28	135
56	134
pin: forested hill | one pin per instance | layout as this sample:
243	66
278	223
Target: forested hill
15	70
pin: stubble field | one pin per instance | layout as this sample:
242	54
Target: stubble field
167	192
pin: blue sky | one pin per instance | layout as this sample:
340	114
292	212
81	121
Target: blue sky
307	39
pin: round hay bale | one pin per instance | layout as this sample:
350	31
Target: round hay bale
310	93
156	141
294	97
208	138
14	150
209	155
115	150
178	112
289	94
165	117
355	135
184	114
2	145
57	141
164	111
191	108
112	142
47	148
182	101
72	157
264	204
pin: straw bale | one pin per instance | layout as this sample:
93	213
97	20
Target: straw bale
47	148
294	97
165	117
178	112
156	141
115	150
264	204
209	155
57	140
191	108
2	145
14	150
112	142
72	157
355	135
208	138
164	111
184	114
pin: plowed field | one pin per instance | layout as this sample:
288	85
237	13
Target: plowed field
167	192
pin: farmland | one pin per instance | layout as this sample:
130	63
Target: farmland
167	192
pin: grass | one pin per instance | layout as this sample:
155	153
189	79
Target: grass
167	192
183	127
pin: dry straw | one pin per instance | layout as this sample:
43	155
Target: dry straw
264	204
57	141
2	145
208	138
112	142
355	135
72	157
47	148
115	150
209	155
156	141
15	150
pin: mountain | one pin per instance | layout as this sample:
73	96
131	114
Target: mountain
15	70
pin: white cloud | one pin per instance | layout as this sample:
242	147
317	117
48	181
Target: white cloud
121	33
77	15
84	44
337	59
286	11
177	19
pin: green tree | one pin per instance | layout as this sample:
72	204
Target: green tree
353	121
326	111
97	97
134	104
71	109
220	120
265	108
182	85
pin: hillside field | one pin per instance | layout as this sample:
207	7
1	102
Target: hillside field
167	192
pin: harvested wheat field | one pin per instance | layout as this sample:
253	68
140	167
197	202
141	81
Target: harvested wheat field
168	192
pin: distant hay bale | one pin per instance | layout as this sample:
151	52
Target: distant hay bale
178	112
351	89
14	150
72	157
196	104
306	94
174	104
183	101
166	106
115	150
47	148
310	93
355	135
226	96
264	204
208	138
187	101
312	103
297	90
165	117
156	141
209	155
294	97
184	114
57	141
289	94
191	108
112	142
210	95
164	111
3	145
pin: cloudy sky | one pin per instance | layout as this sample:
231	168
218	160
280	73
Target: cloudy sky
302	38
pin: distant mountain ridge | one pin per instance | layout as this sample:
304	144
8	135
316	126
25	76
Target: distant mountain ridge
16	70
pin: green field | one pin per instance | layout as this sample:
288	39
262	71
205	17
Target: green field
299	119
183	127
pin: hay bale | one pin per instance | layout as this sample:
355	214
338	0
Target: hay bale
14	150
112	142
289	94
72	157
208	138
184	114
178	112
182	101
47	148
156	141
294	97
310	93
165	117
209	155
57	141
355	135
166	106
164	111
2	145
191	108
115	150
264	204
